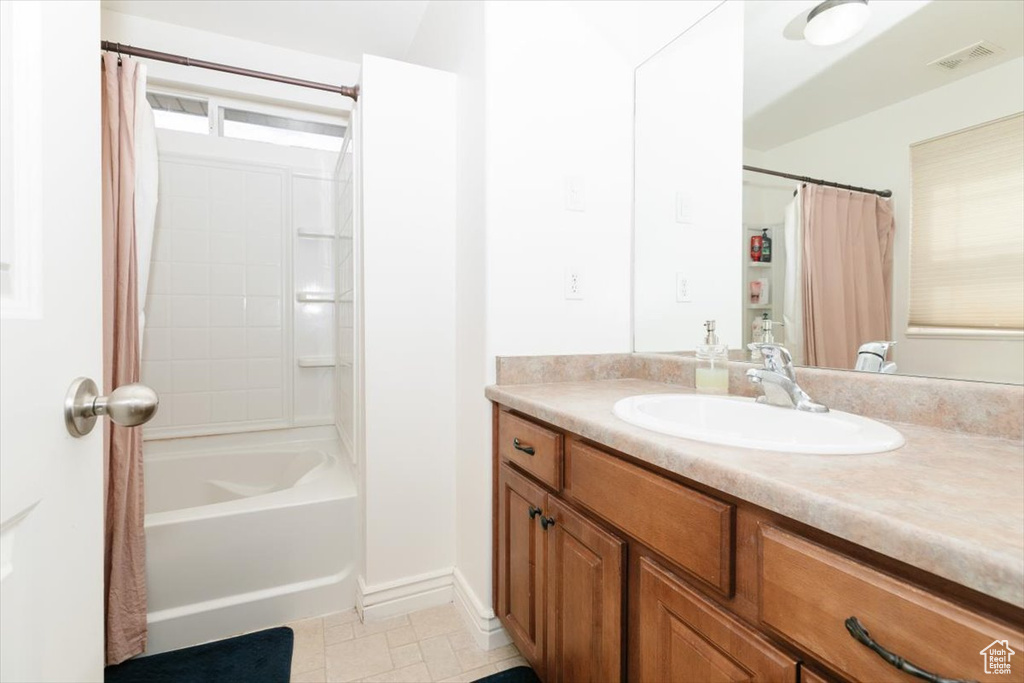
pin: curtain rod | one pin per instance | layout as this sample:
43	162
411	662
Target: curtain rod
815	181
351	91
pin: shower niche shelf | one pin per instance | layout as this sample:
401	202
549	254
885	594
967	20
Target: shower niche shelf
316	362
315	234
322	297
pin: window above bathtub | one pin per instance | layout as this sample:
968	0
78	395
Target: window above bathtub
245	120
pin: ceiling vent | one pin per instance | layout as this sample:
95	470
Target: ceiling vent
968	55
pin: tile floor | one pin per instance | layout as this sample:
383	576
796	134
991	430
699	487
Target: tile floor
430	645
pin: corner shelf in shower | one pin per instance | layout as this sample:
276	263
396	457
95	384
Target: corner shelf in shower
315	362
322	297
316	234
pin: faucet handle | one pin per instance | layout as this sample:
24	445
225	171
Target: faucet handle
777	358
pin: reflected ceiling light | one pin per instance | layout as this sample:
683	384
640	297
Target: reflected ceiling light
834	21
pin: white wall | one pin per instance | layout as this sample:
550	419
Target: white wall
451	37
874	151
408	289
688	216
545	91
558	104
216	47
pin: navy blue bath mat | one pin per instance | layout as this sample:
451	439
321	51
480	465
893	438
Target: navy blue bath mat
261	657
520	674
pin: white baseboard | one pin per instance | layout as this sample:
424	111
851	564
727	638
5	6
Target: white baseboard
485	627
394	598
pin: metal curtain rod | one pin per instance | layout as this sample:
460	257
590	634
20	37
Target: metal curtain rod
351	91
816	181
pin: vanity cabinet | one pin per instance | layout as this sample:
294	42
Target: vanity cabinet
520	564
559	583
685	637
607	569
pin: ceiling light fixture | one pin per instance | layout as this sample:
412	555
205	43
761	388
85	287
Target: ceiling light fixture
834	21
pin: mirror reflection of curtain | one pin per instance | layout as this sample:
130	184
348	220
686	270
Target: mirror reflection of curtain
847	273
793	288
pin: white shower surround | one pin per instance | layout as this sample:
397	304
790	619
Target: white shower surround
247	531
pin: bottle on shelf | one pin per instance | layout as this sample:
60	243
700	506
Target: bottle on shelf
766	247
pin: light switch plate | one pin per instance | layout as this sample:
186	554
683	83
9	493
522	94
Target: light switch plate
575	193
684	211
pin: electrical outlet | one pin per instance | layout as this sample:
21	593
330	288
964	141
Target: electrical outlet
683	293
573	284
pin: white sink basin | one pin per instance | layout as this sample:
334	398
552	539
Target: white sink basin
736	421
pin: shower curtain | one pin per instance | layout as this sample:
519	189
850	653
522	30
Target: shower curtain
847	273
792	291
126	242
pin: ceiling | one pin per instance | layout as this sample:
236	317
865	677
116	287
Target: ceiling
792	89
342	30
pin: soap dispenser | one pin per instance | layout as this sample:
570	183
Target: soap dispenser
767	336
712	376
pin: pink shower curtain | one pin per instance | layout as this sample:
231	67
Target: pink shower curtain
124	547
847	276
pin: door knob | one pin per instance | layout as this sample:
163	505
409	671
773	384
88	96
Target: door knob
129	405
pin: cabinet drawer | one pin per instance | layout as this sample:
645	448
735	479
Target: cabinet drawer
689	528
531	447
808	592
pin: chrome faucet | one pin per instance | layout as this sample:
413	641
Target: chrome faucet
871	357
778	381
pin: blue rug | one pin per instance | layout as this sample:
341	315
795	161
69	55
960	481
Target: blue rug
520	674
261	657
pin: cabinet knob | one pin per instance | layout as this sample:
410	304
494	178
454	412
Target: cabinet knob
534	511
546	522
519	446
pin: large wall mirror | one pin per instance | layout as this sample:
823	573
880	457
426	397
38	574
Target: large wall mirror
881	180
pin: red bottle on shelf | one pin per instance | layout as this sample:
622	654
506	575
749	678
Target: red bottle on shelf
755	247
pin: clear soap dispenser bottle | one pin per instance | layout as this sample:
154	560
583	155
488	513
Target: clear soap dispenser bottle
712	375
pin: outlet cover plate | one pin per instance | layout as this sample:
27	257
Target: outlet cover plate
684	294
573	284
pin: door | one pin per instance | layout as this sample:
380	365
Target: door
584	587
521	563
684	637
51	485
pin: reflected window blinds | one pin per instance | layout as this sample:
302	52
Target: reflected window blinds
967	228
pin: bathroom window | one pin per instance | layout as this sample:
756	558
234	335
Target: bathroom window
281	130
245	120
173	112
967	242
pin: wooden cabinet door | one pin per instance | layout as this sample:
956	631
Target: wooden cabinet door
684	637
584	587
521	563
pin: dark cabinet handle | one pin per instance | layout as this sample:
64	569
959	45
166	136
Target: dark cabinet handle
546	522
862	636
534	511
520	447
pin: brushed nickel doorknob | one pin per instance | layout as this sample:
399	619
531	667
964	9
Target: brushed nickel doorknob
129	405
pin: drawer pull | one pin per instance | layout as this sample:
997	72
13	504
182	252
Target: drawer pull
521	447
546	522
862	636
534	511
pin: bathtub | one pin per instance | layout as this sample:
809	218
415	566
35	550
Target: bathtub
247	531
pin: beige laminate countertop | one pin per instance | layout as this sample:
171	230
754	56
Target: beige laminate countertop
950	504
